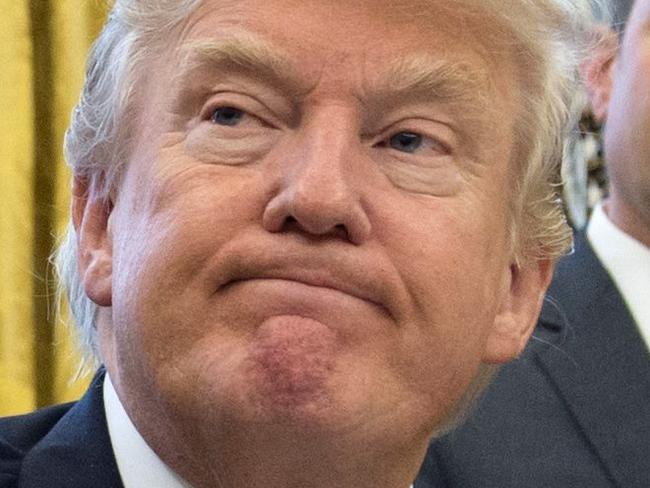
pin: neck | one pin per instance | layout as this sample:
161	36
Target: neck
293	460
628	218
228	451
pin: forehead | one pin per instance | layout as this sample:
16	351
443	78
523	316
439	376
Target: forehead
357	17
363	35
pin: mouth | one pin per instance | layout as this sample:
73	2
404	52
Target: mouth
325	273
312	280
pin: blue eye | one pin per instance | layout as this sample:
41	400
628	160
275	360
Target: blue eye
228	116
407	142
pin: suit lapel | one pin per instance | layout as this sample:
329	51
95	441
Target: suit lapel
77	452
601	366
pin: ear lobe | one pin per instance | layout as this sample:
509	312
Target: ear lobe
519	311
90	217
596	71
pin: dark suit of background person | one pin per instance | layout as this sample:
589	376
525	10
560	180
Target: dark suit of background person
574	410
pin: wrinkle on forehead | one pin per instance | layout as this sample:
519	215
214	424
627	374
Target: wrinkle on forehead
469	21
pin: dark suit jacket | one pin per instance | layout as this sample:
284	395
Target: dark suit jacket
573	412
66	446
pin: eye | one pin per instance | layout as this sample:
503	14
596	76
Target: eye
412	142
227	116
407	142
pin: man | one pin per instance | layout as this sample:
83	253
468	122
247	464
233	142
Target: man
573	411
295	246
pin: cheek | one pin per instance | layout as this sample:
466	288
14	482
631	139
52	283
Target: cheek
453	263
174	221
454	270
162	248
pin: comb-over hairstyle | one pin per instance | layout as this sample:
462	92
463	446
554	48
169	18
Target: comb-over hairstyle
549	37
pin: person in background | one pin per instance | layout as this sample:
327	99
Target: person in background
303	235
573	411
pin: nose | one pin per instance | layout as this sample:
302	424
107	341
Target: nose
318	195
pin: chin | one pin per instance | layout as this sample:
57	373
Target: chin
270	380
293	379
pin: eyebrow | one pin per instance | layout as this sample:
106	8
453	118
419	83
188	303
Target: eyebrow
432	77
247	54
419	76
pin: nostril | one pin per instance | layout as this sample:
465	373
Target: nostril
341	231
291	224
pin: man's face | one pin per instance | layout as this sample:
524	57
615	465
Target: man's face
312	230
627	132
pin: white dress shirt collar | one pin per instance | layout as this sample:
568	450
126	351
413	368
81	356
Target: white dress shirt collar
628	263
137	463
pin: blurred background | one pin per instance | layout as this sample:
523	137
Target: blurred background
43	45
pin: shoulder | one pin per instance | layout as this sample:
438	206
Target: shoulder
23	431
61	447
19	434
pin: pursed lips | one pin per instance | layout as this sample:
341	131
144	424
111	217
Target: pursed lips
365	275
313	278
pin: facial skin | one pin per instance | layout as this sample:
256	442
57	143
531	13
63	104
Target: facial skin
618	81
304	268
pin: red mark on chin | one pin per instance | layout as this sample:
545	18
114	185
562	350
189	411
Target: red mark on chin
293	358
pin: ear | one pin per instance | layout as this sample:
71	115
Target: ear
519	311
90	217
596	71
